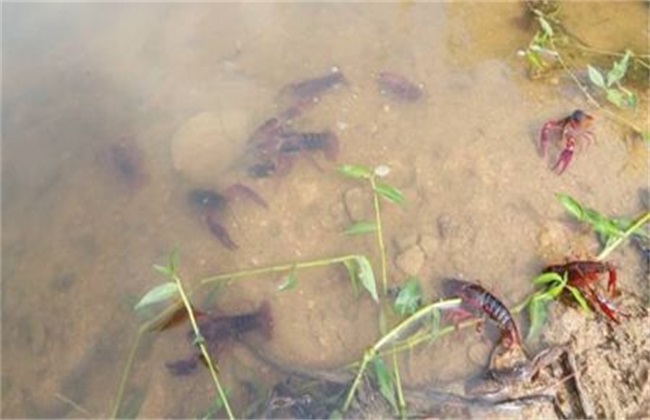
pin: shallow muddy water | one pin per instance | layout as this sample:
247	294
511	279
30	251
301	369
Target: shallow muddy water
113	113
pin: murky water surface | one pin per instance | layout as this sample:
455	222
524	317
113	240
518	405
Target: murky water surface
113	113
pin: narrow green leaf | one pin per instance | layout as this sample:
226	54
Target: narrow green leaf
616	97
361	228
595	77
571	205
355	171
164	270
409	298
546	27
290	281
618	69
558	288
537	314
547	278
630	98
174	260
389	192
367	277
384	381
579	298
159	293
352	268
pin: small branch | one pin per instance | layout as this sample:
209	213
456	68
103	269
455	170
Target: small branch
277	269
401	329
380	236
204	349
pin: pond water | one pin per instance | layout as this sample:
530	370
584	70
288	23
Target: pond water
113	113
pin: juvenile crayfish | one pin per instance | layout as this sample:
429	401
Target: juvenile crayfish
571	128
583	275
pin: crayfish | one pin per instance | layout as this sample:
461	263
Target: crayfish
571	128
583	275
475	297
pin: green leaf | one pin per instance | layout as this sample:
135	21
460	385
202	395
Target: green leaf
384	381
618	69
389	192
409	298
361	228
538	314
290	281
352	268
571	205
159	293
174	260
546	27
367	277
595	77
164	270
579	298
356	171
616	97
547	278
558	288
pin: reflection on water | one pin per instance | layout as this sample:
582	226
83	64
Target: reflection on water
113	113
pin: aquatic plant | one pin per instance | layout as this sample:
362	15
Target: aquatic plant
552	45
612	232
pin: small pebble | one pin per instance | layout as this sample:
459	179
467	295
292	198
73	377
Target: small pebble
411	260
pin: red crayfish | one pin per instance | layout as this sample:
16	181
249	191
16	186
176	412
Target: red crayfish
571	128
583	275
475	297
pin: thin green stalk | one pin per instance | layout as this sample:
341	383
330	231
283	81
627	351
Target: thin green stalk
380	236
367	357
278	268
125	375
401	403
401	329
640	221
134	349
204	350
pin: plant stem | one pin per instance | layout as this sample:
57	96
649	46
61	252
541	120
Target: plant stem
367	357
278	268
401	403
380	235
399	330
127	369
201	343
640	221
